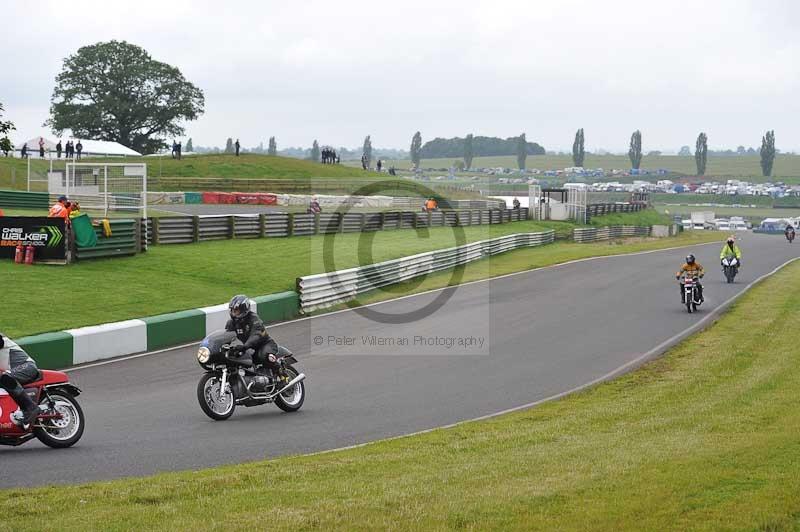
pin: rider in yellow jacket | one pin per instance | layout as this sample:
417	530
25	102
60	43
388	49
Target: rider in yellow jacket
691	268
731	250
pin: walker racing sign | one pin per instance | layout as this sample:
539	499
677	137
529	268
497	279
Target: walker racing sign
47	235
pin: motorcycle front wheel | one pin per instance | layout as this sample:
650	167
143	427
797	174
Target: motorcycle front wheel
292	399
215	404
66	430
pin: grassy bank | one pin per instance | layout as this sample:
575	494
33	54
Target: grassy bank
246	166
704	438
175	277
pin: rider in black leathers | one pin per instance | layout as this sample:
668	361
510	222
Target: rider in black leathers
250	331
16	370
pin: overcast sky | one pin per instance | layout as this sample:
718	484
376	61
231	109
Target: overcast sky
339	70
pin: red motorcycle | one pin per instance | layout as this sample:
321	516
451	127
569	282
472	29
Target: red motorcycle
60	421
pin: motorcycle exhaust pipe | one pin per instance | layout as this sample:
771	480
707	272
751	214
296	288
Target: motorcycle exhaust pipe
298	379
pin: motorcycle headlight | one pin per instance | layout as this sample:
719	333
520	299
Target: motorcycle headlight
203	355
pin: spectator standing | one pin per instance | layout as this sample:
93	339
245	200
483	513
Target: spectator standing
364	161
314	207
179	150
174	149
78	149
24	151
58	149
516	203
379	164
237	147
41	148
60	209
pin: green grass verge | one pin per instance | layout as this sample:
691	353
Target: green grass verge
703	438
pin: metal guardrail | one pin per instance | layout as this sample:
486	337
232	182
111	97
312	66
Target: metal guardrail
187	229
597	234
327	289
599	209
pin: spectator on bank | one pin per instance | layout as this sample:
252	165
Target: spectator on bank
24	151
41	148
379	165
58	149
180	150
237	147
516	203
174	149
68	149
364	161
392	171
78	149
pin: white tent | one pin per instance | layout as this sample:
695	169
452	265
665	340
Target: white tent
91	148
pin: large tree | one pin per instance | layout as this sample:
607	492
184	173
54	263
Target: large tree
469	152
522	151
115	91
767	153
635	151
315	151
578	152
5	127
273	147
416	147
189	146
367	151
701	153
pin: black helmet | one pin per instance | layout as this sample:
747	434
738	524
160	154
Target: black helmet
239	307
689	259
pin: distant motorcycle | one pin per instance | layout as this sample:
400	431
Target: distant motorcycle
232	380
730	267
691	293
60	422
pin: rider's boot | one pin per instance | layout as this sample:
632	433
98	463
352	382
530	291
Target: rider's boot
28	409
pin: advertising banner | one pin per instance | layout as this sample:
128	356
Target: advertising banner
47	235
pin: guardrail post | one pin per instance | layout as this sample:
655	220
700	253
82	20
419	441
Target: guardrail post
195	229
341	222
316	223
430	217
232	226
262	225
363	221
290	228
383	220
156	229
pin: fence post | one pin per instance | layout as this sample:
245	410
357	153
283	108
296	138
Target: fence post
430	216
195	229
341	222
156	229
290	228
383	220
232	226
262	225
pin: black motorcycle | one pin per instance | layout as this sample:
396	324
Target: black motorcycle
730	267
233	379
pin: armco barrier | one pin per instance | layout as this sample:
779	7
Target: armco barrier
327	289
124	240
597	234
187	229
24	200
87	344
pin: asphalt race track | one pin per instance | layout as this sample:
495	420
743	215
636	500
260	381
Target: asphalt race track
544	332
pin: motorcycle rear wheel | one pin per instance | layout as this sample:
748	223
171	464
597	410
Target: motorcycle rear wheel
209	384
64	432
292	399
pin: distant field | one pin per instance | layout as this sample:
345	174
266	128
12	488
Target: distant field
753	214
786	166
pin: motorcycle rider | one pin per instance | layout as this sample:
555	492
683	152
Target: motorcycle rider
731	250
691	268
250	331
789	232
16	370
